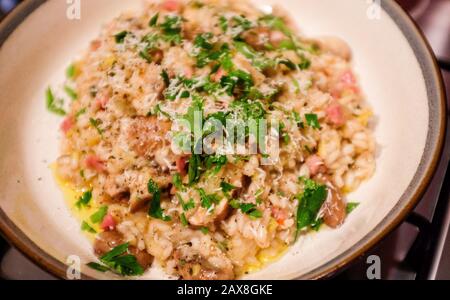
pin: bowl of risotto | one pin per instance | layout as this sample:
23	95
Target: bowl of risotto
212	140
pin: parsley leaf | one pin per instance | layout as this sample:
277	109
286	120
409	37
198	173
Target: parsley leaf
194	169
120	37
183	220
258	59
236	81
312	121
206	201
84	200
70	92
99	215
117	261
247	208
310	202
155	209
351	206
97	267
165	77
226	187
154	20
171	29
218	161
223	23
86	227
71	71
53	105
186	205
177	182
96	124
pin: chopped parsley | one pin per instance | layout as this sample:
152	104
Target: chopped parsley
351	206
118	261
194	168
186	205
96	124
88	228
171	29
316	225
53	105
71	71
84	199
153	20
80	112
155	209
215	163
206	201
284	134
238	25
247	208
71	92
99	215
223	23
226	187
120	37
204	230
312	120
258	59
184	220
165	77
206	52
310	202
151	42
275	23
237	81
177	182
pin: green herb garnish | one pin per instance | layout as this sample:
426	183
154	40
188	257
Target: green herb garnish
120	37
119	262
99	215
88	228
171	29
186	205
154	20
183	220
155	209
84	200
249	209
226	187
310	202
206	201
53	105
312	120
71	71
177	182
70	92
351	206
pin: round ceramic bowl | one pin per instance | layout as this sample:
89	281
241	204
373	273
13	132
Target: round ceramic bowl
395	66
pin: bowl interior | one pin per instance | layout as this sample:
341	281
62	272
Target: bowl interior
40	49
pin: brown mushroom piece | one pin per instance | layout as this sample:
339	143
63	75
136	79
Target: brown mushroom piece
146	134
334	208
108	240
199	268
203	217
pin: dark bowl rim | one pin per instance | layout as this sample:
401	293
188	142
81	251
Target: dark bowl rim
407	202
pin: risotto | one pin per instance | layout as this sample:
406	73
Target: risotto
148	199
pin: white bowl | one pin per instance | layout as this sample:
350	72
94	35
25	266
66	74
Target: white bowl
396	69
